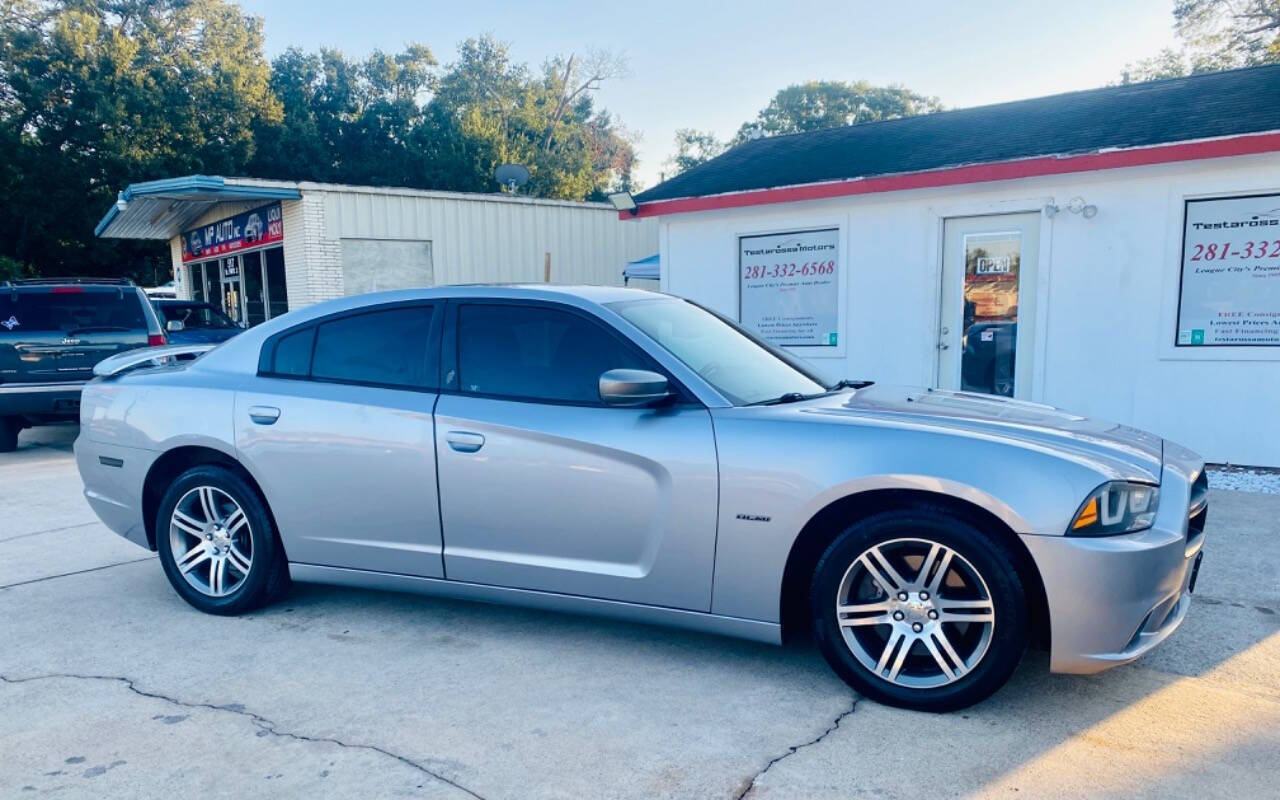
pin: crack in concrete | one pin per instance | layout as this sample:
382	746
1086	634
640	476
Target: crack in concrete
51	530
795	748
77	572
259	721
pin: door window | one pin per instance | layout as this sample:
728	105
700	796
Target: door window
986	342
537	353
992	264
386	348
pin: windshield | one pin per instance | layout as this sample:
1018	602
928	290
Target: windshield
742	368
195	316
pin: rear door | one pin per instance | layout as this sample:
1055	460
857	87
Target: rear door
337	429
55	334
543	487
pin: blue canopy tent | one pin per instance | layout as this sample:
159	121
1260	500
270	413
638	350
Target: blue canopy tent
647	268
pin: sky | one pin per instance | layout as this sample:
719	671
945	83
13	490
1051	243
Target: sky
713	65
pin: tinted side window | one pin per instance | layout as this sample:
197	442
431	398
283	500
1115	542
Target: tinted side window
292	354
537	353
383	347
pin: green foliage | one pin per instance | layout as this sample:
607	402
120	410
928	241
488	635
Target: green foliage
97	94
1215	35
10	269
815	105
693	147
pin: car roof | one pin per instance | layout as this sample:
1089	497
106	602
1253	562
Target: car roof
241	353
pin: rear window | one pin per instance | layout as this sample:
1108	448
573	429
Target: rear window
78	310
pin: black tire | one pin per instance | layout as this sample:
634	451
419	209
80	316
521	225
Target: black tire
9	427
268	574
987	554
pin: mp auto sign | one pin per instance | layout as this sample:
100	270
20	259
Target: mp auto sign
255	228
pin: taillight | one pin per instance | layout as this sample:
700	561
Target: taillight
156	340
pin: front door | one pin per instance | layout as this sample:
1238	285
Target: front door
986	338
543	487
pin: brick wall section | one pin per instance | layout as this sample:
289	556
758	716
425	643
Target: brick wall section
305	244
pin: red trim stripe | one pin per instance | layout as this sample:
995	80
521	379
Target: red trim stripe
975	173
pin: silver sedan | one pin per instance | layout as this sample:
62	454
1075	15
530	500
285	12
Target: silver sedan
630	454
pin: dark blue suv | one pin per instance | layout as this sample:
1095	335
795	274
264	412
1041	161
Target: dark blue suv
52	333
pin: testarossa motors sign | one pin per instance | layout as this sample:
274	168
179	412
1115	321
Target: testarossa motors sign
255	228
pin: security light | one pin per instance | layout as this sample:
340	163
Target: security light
1075	205
623	201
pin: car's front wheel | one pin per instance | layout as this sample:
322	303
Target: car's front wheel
919	609
217	544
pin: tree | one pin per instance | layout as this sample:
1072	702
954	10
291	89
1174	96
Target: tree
815	105
490	111
693	147
1230	33
347	121
1215	35
97	94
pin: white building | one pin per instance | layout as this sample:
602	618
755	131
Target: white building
259	248
1114	252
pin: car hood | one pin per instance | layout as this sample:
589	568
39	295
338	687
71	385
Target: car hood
1118	448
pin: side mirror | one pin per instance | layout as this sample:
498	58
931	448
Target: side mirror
629	388
175	325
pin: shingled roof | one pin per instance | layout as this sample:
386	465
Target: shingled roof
1213	105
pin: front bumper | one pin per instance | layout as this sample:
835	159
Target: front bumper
1113	598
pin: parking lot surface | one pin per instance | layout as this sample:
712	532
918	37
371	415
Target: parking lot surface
111	686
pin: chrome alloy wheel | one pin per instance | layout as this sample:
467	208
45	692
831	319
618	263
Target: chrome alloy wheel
211	541
915	613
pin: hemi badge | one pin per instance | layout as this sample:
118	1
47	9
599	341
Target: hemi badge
754	518
108	461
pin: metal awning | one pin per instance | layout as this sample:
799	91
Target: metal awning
163	209
648	268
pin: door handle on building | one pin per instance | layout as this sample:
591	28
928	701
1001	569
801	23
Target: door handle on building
264	415
464	441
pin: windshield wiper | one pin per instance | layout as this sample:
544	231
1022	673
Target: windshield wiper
845	383
789	397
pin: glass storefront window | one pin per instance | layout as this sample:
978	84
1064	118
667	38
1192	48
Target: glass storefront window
255	303
249	288
197	282
277	295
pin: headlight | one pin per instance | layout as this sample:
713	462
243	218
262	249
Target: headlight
1116	507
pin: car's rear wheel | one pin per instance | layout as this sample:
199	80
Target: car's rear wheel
919	609
9	428
217	544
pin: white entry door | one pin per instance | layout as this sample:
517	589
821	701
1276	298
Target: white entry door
986	339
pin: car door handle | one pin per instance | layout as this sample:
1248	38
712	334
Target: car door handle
264	415
464	441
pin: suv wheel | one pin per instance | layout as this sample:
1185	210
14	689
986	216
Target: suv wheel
9	427
919	609
217	544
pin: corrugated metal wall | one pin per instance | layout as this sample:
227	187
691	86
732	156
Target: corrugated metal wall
478	238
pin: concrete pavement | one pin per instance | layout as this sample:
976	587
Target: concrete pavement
110	686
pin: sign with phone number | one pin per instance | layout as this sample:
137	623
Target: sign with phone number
789	287
1230	291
